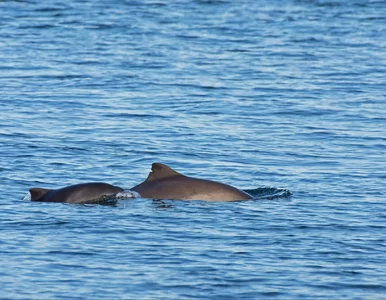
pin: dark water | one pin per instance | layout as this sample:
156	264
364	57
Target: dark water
267	96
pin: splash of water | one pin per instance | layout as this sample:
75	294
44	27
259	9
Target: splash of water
127	194
269	193
27	197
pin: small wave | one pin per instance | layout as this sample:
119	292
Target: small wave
27	197
127	194
269	193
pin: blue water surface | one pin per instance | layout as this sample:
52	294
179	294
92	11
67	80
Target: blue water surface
275	97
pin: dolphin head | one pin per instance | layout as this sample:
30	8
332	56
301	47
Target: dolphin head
38	194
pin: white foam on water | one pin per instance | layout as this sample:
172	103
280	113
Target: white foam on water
27	197
127	194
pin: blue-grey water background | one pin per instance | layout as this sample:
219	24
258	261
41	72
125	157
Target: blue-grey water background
265	95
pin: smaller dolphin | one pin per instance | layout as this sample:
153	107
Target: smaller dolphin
83	193
166	183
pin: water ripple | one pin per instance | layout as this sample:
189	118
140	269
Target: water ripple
285	99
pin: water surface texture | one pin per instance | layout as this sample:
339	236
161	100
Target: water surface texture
267	96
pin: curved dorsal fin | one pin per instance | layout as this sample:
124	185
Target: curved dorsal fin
160	171
38	193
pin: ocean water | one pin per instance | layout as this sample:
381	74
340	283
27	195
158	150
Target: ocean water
286	99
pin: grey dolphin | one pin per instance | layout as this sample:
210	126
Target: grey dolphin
78	193
166	183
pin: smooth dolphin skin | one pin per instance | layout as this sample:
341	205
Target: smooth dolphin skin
80	193
165	183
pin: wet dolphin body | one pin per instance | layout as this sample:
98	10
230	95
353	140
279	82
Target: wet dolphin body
79	193
165	183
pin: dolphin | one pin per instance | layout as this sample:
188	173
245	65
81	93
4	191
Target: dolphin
165	183
93	192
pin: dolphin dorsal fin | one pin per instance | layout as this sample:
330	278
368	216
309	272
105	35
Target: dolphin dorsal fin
38	193
160	171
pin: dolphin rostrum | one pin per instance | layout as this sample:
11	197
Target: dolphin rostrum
166	183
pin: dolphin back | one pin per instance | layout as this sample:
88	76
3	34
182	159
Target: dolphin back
165	183
79	193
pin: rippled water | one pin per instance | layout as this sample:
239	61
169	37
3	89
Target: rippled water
268	96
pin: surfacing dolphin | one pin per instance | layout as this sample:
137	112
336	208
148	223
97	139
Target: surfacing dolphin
83	193
166	183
